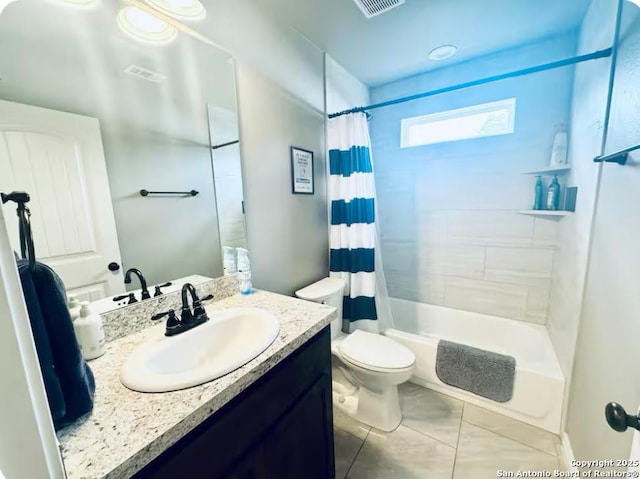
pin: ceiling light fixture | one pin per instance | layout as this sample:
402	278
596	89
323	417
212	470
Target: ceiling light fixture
443	52
182	9
79	2
145	26
637	2
4	3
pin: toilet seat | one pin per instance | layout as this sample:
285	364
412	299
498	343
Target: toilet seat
375	352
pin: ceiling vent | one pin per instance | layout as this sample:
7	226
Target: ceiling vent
371	8
145	74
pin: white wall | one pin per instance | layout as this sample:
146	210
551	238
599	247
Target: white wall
589	103
277	52
344	91
450	232
288	239
165	237
607	353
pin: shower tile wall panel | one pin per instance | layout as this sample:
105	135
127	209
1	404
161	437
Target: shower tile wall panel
454	261
450	231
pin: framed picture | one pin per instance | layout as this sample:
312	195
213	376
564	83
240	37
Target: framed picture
302	181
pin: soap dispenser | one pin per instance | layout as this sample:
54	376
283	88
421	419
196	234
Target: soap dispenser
90	333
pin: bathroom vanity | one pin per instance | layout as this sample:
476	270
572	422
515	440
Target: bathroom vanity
271	418
280	427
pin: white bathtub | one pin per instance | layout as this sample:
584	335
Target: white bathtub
539	384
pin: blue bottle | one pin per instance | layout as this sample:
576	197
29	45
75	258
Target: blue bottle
538	202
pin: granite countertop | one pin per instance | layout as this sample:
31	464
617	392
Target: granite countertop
127	429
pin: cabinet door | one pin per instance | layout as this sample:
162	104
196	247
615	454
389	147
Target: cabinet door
250	467
301	444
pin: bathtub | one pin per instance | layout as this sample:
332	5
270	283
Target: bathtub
539	384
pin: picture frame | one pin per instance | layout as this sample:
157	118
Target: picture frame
302	177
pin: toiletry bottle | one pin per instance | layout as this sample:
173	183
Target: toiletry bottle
74	305
553	195
244	272
538	202
229	261
90	333
560	146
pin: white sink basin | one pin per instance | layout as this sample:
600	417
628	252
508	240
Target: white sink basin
230	339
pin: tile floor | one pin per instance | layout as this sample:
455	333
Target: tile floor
441	438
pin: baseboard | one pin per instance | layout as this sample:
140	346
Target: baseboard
567	454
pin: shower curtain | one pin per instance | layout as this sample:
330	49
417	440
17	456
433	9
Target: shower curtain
353	236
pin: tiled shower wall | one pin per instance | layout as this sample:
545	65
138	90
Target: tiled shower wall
496	262
451	234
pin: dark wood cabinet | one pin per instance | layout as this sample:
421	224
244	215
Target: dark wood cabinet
297	447
281	427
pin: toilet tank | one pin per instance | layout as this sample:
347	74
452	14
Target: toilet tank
326	291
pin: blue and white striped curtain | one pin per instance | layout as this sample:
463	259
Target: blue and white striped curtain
353	230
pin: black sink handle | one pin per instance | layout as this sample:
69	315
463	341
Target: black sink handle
618	418
158	316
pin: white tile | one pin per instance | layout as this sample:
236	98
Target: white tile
490	228
431	227
498	299
430	413
538	304
482	453
400	256
399	225
346	448
408	285
485	183
519	265
452	260
402	454
518	431
545	232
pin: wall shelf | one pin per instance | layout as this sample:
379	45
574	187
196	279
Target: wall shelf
545	213
550	171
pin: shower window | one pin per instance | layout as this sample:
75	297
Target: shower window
477	121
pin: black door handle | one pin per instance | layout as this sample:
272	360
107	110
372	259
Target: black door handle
618	418
114	267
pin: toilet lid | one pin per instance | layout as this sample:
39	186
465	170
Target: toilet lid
376	351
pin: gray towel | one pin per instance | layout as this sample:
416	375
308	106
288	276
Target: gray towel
487	374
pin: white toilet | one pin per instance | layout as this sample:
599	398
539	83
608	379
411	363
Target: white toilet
365	385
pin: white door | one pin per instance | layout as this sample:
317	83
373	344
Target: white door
58	159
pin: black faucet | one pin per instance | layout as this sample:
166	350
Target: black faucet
199	314
143	282
188	319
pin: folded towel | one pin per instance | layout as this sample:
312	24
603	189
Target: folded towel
67	378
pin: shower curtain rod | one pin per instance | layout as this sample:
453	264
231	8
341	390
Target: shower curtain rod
482	81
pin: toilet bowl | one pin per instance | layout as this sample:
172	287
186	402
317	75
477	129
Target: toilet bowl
370	368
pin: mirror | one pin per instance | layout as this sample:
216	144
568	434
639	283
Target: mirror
114	116
223	125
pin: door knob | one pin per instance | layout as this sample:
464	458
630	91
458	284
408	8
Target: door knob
113	267
618	418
